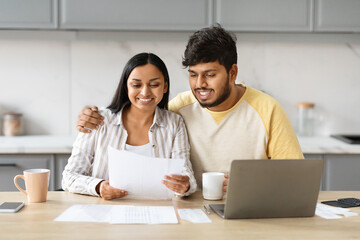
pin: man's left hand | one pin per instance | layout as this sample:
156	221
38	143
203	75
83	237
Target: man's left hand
177	183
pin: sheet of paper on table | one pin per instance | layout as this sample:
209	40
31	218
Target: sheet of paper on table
141	176
119	214
126	214
86	213
330	212
194	215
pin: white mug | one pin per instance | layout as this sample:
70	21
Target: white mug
212	183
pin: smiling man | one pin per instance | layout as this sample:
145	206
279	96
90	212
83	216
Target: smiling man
225	120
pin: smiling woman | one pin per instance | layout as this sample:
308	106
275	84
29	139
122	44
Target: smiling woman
146	87
137	121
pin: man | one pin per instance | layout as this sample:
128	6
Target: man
225	121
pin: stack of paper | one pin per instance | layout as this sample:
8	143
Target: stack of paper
119	214
330	212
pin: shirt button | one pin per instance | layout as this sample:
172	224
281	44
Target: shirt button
151	130
153	146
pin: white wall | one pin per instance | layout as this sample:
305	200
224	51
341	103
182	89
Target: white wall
50	76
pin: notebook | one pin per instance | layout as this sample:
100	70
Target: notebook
272	189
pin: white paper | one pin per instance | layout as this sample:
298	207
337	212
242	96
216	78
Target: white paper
141	176
119	214
86	213
126	214
194	215
330	212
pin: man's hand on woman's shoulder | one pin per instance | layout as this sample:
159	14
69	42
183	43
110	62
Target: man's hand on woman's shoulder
89	119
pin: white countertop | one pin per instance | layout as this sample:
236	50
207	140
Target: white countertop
63	144
36	144
322	145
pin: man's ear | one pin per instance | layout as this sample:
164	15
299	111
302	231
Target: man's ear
233	73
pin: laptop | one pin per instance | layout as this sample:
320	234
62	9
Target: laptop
271	189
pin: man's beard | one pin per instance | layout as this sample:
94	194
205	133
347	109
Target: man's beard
223	96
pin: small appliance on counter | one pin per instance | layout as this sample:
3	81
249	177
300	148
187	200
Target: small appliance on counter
12	124
348	138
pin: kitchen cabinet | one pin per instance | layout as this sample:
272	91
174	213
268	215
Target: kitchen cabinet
26	14
136	14
60	163
185	15
323	178
265	15
342	172
337	16
14	164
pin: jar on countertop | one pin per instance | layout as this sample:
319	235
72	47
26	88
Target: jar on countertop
305	119
12	124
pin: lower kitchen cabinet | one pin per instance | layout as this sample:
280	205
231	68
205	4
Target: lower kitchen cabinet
342	172
12	165
319	156
60	163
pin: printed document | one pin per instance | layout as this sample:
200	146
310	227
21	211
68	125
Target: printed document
126	214
119	214
141	176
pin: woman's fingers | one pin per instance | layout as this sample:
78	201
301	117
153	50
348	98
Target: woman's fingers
108	192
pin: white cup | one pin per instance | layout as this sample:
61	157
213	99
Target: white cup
212	183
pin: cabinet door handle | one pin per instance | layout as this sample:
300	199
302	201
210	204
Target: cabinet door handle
7	165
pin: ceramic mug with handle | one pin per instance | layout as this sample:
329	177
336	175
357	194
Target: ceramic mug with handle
36	183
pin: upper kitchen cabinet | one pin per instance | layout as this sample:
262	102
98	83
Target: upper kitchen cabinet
337	15
265	15
136	14
26	14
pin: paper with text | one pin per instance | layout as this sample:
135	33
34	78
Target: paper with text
141	176
119	214
126	214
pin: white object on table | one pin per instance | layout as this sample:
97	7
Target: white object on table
125	214
194	215
86	213
329	212
212	183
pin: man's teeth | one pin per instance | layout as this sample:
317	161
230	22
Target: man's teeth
145	99
204	93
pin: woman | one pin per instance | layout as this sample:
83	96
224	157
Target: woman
137	120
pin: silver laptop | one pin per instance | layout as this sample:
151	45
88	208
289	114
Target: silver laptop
271	189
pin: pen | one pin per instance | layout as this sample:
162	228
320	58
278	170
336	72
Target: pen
207	209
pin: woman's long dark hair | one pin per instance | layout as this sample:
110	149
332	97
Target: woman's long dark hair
121	95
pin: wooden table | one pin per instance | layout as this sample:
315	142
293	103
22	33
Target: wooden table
35	221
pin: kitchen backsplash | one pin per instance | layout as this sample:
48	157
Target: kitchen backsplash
50	76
